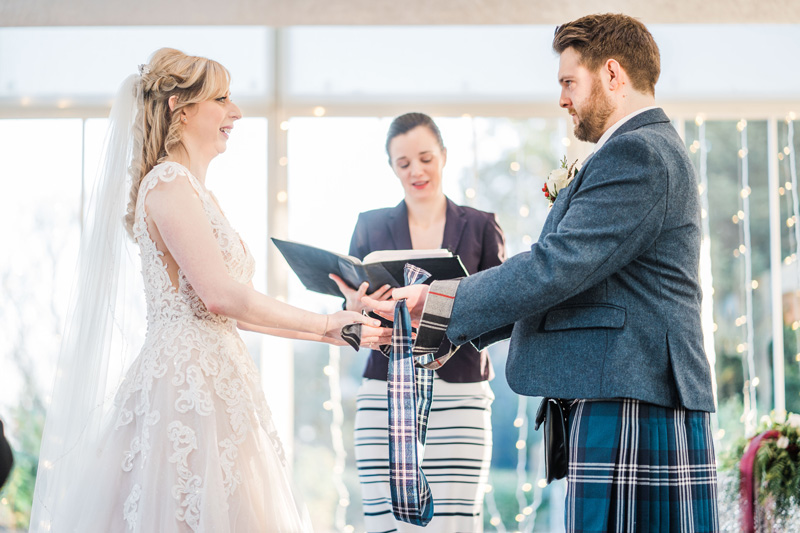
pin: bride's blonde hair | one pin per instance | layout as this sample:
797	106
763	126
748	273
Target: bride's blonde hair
157	129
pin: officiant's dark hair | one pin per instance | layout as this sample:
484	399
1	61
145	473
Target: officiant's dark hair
598	38
405	123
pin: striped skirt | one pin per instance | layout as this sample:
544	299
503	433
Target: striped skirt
458	452
638	467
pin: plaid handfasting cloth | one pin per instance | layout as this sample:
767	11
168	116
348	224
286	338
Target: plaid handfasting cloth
410	393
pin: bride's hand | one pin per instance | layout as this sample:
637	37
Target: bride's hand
372	337
371	331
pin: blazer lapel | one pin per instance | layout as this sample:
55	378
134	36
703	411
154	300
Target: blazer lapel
398	227
455	221
576	182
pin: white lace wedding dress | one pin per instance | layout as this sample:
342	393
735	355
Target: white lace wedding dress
190	445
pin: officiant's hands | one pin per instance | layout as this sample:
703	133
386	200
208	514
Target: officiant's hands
371	332
414	295
353	297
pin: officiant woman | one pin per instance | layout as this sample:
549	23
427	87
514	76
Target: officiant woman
459	439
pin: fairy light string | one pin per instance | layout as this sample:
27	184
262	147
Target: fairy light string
494	515
334	404
521	423
745	249
792	223
537	489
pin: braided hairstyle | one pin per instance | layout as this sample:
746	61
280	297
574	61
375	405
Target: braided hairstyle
157	129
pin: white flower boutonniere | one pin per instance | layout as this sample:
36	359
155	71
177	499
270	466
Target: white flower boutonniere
558	179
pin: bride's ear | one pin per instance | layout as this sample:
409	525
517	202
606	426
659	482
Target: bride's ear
172	102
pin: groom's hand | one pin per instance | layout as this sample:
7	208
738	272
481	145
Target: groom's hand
414	295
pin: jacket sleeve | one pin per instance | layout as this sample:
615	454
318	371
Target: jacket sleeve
438	306
615	214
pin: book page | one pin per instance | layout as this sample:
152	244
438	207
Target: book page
379	256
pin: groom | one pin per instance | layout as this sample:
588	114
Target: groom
605	308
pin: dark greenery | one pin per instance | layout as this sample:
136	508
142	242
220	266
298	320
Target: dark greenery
777	464
18	491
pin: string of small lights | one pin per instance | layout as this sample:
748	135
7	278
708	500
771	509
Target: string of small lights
494	514
334	404
526	516
789	151
745	251
521	422
538	488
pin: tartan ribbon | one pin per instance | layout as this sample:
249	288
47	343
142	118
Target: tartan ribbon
410	393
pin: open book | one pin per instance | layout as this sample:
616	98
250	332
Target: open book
385	267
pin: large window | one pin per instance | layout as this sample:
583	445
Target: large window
493	92
40	211
73	67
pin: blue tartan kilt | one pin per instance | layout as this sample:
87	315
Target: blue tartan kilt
635	466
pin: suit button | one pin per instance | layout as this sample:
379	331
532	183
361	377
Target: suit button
462	338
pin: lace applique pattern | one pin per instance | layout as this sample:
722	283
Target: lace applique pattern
131	508
189	489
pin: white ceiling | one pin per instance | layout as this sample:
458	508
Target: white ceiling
383	12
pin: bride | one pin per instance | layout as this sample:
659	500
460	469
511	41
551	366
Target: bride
186	441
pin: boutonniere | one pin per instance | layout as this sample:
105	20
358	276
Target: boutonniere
558	179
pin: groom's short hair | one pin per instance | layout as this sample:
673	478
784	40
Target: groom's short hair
598	38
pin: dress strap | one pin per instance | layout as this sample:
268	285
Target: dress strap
164	172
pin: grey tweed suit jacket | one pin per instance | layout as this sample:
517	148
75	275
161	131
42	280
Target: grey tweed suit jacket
607	302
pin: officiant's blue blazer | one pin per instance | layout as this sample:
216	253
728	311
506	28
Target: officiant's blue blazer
607	302
471	234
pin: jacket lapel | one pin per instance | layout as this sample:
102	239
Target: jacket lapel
397	223
455	221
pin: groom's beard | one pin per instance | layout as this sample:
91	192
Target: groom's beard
592	118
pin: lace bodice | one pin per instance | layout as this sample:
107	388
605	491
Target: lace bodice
165	304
